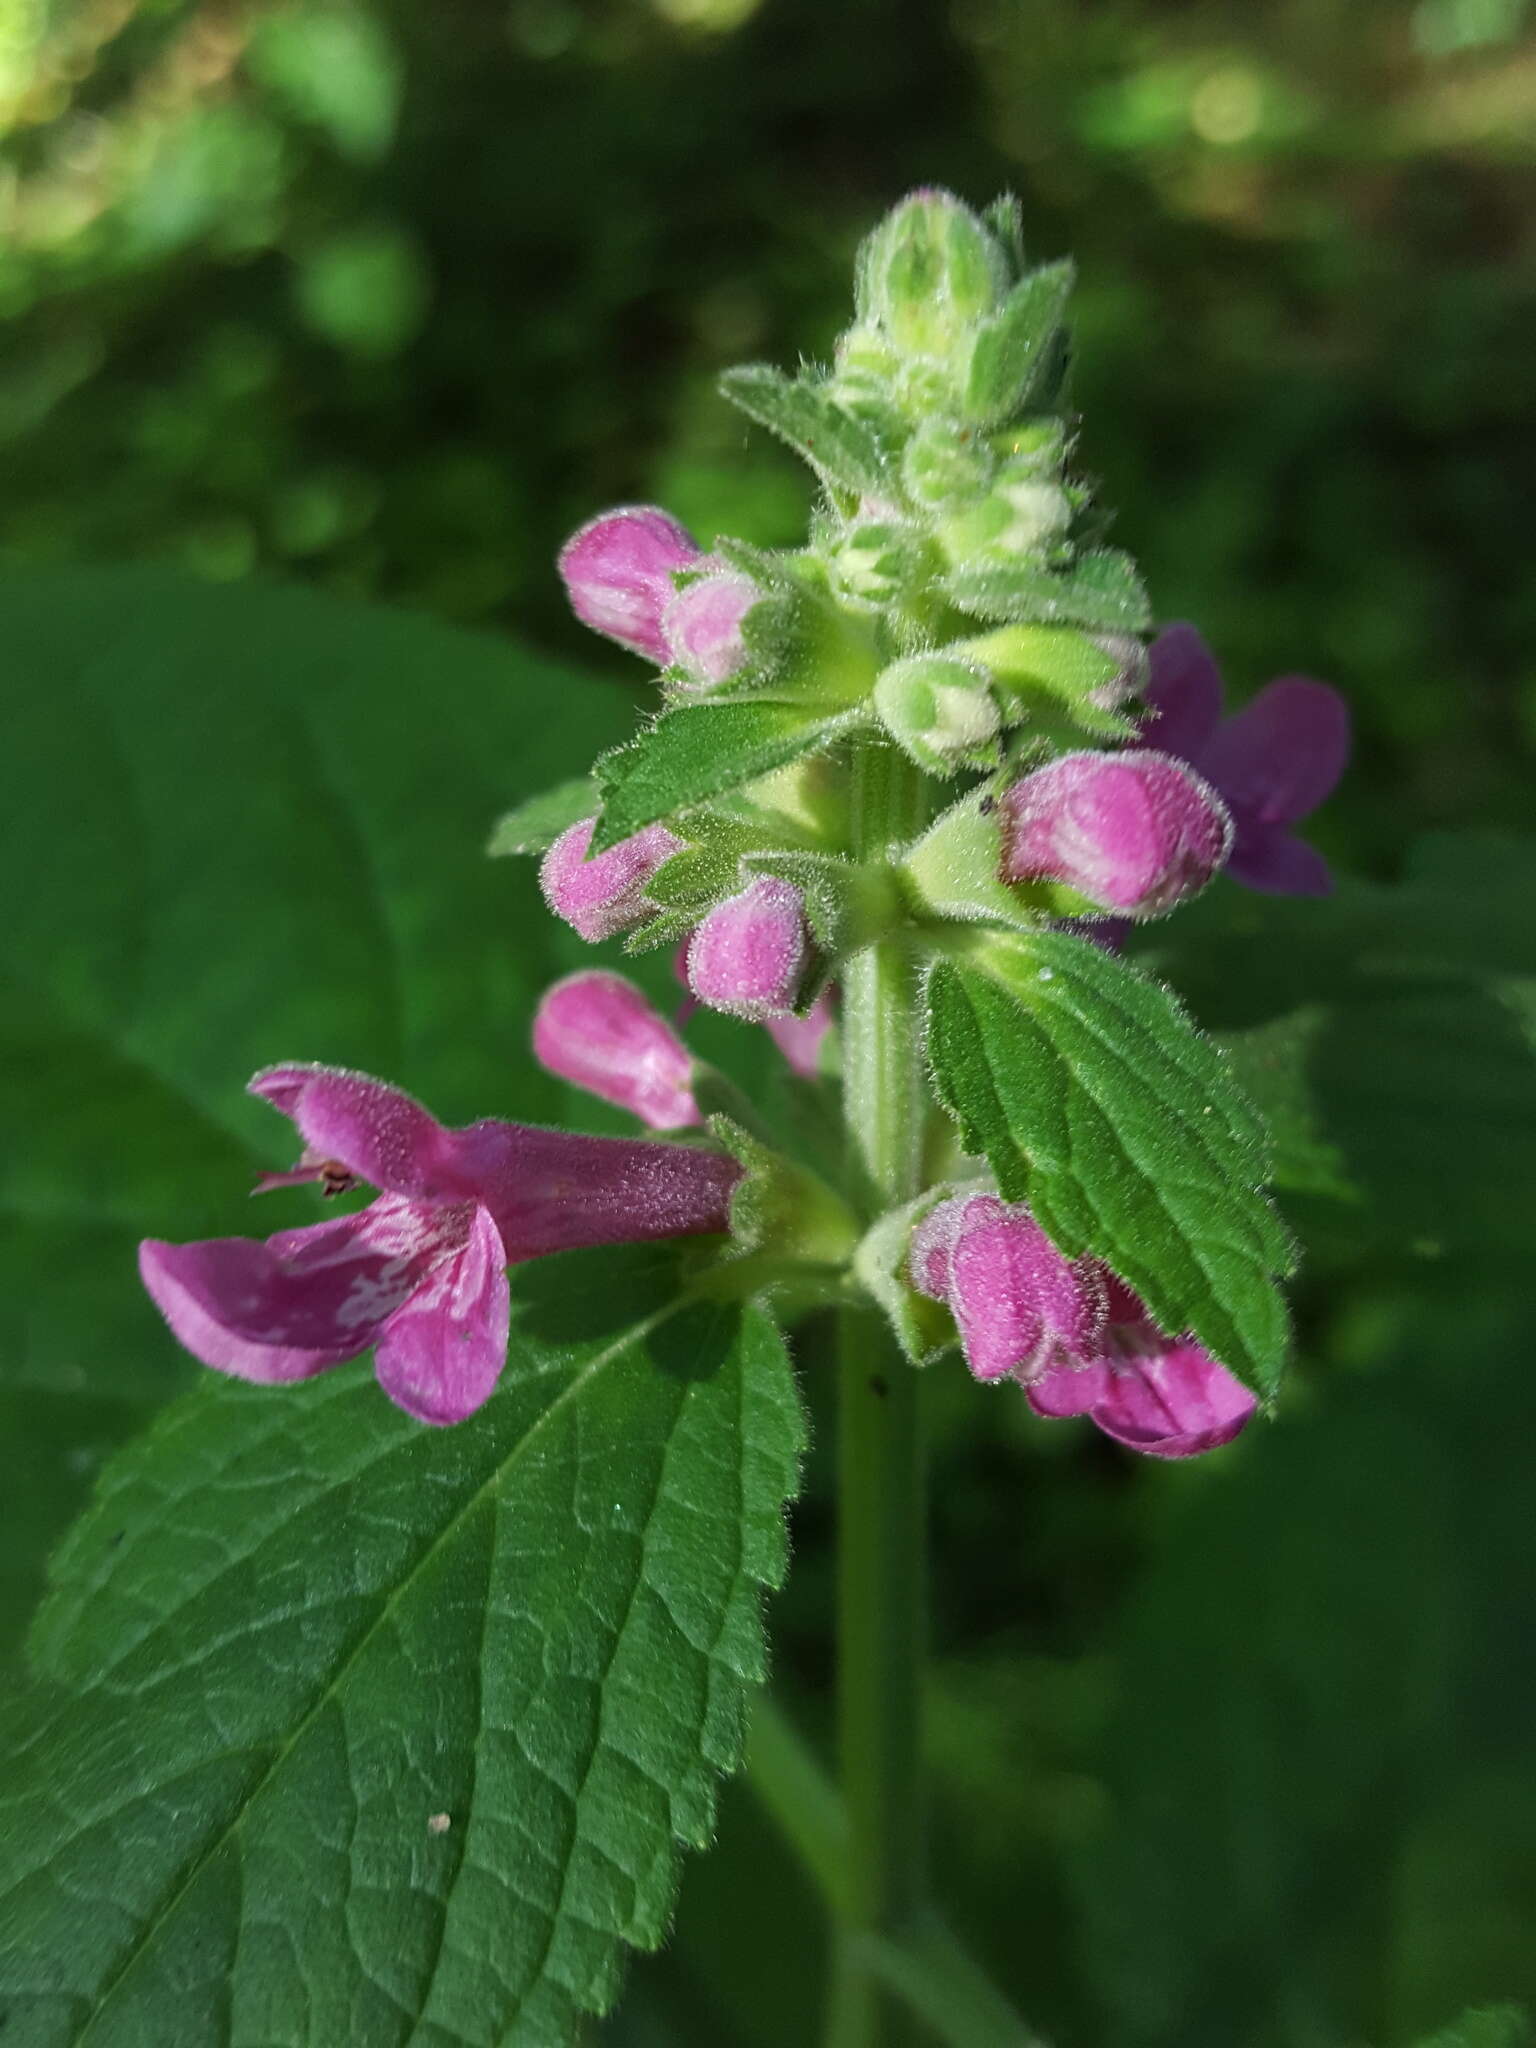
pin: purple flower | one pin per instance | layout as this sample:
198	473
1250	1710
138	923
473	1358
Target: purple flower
750	954
601	1032
604	895
702	626
1272	763
1164	1396
1019	1304
420	1273
618	572
1134	832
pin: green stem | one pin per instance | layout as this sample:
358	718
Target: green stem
927	1967
881	1547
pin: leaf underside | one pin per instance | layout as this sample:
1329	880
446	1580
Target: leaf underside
1095	1100
380	1733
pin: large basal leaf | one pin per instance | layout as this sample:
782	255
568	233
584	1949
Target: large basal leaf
366	1732
703	751
1096	1101
239	825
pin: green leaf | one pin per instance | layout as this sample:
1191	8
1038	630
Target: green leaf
535	825
378	1732
1095	1101
1011	347
243	841
701	751
1101	590
844	451
1491	2026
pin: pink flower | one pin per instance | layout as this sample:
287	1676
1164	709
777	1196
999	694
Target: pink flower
702	626
419	1274
1134	832
618	572
605	895
1164	1396
1019	1304
800	1039
1272	763
750	954
601	1032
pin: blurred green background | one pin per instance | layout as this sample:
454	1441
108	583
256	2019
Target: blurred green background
388	297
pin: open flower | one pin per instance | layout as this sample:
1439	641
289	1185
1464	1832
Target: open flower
1272	763
420	1273
1164	1396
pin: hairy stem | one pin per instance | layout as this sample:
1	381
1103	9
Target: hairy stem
880	1612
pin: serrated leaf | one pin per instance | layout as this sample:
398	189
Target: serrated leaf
845	452
701	751
244	839
1100	590
1011	348
377	1732
1095	1101
536	825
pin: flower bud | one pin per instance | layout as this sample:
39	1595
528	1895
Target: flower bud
750	954
601	1032
929	273
938	710
800	1039
702	627
1133	832
618	572
605	895
878	559
1020	515
1166	1397
1020	1305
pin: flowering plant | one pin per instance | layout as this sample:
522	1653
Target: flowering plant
902	797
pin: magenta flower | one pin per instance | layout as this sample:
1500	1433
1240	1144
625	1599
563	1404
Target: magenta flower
1019	1304
1135	832
1272	763
604	895
618	572
749	956
420	1273
702	626
1164	1396
601	1032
